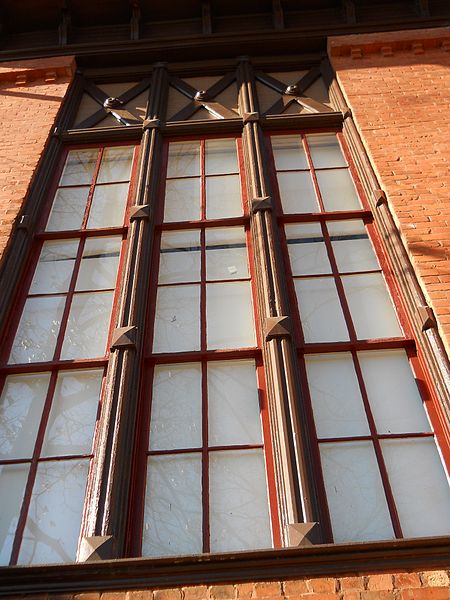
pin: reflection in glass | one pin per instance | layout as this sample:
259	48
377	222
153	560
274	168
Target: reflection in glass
226	253
337	190
335	396
116	164
179	259
108	206
288	152
176	416
53	523
70	426
229	319
87	326
220	157
98	268
182	201
239	515
12	478
297	192
79	167
351	246
325	151
21	406
68	209
184	159
307	250
173	506
355	494
320	310
420	486
233	403
36	335
177	319
55	266
223	197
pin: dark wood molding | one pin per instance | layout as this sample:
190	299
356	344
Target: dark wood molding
328	560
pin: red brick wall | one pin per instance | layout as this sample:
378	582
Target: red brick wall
31	93
397	85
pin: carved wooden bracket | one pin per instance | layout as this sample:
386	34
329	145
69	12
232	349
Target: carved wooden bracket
303	534
277	327
150	124
24	222
140	211
250	117
261	203
427	317
124	337
380	197
96	547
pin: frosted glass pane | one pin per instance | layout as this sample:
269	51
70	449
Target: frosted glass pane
98	268
108	206
233	403
229	318
320	310
180	257
173	506
226	253
176	417
371	307
337	190
223	197
351	246
116	164
87	326
307	250
221	157
393	394
177	319
68	209
239	515
420	486
35	339
21	406
182	200
55	266
297	192
53	524
184	159
335	396
72	418
13	479
79	167
355	494
288	152
325	151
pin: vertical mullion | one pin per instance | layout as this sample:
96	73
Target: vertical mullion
87	209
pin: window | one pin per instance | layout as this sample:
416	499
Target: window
231	356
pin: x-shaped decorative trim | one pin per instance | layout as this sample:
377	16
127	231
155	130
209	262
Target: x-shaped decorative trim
203	99
293	93
123	116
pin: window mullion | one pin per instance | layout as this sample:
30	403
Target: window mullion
297	498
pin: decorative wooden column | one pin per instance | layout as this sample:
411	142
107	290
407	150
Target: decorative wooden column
108	494
297	498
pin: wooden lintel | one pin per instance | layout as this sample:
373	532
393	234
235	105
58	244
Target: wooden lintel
349	11
278	14
206	18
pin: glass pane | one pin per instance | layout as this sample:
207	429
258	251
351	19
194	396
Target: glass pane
176	417
288	152
337	190
35	339
173	506
177	319
13	478
221	157
307	250
226	253
116	164
71	423
356	500
371	307
233	403
55	266
325	151
184	159
223	197
79	168
87	326
320	310
392	390
98	268
335	395
297	192
420	486
239	515
21	407
180	257
53	524
351	246
182	201
229	319
108	206
68	209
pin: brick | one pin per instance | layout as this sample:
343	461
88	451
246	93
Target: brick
351	583
197	592
139	595
433	593
380	582
435	578
378	595
267	589
406	580
113	596
222	592
244	591
351	595
295	587
168	594
323	584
